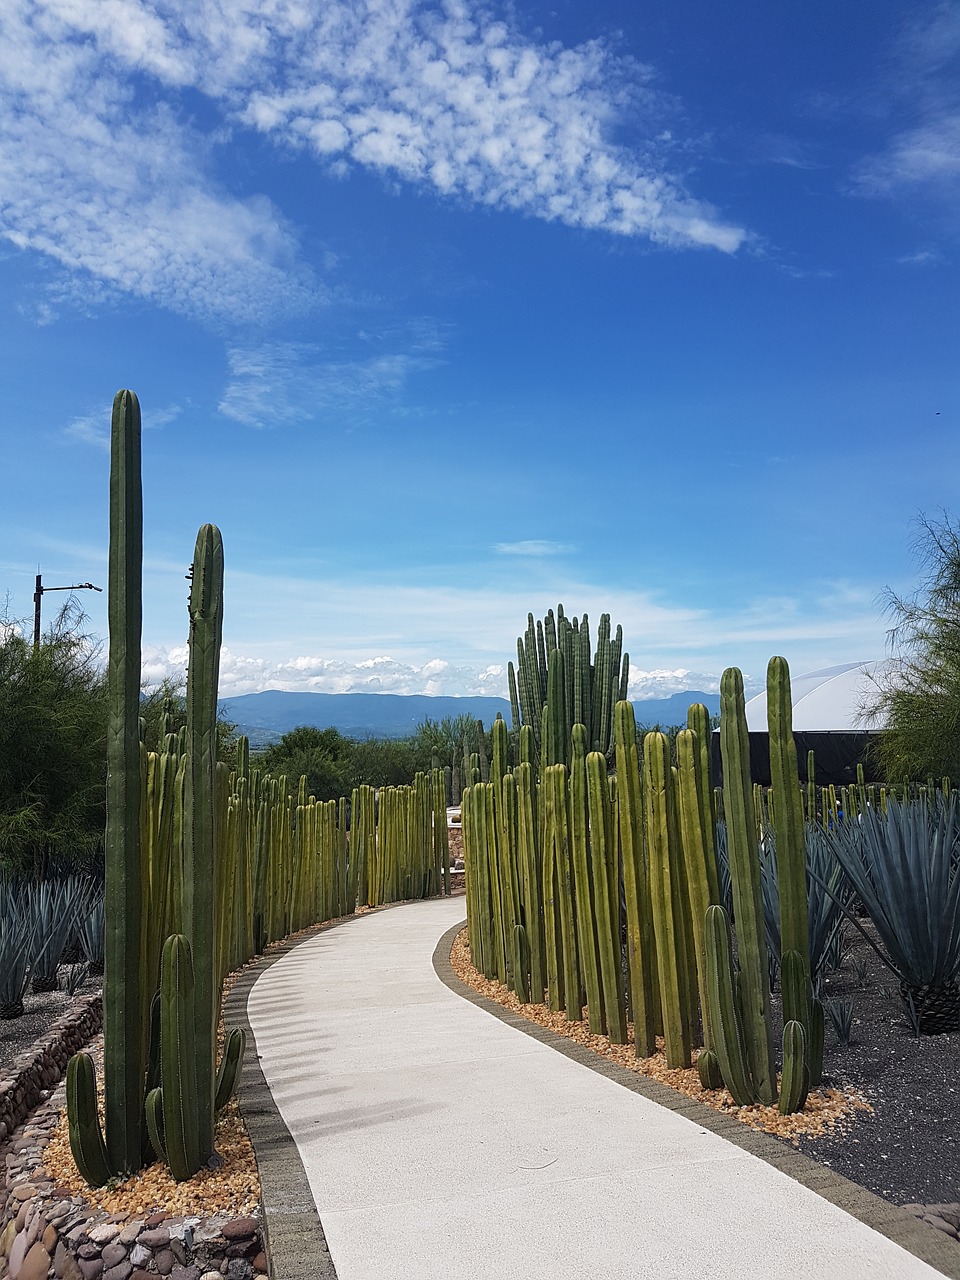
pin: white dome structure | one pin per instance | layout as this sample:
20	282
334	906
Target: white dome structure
830	700
830	718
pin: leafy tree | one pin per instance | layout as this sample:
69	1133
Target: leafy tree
919	699
164	710
323	755
53	715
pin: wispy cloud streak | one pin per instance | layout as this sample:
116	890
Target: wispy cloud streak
103	171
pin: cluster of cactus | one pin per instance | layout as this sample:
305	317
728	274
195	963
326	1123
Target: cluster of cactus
204	867
557	684
562	866
738	1002
158	1045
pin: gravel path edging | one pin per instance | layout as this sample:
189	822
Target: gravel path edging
894	1222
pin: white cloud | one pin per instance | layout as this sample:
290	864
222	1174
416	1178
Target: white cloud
927	155
94	428
100	172
532	547
309	674
277	383
922	86
123	193
660	683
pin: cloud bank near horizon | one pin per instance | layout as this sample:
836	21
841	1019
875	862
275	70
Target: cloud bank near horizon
240	674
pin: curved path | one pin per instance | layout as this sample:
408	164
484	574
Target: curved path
439	1141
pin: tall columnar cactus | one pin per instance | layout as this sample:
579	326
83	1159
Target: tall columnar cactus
605	880
667	897
588	931
199	880
699	848
589	690
125	1001
641	951
753	984
790	851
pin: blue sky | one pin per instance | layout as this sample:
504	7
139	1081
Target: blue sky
447	312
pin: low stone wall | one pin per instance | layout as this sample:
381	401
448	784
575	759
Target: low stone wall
47	1232
35	1072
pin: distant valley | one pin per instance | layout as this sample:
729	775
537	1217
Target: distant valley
265	717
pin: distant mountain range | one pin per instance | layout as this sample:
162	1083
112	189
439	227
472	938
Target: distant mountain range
264	717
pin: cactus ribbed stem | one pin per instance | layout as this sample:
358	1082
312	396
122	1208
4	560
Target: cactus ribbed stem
200	864
641	949
125	998
745	879
666	897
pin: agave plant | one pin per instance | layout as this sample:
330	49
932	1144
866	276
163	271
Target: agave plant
830	894
905	867
15	946
90	932
53	907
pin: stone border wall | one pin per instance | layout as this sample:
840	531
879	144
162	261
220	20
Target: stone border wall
45	1231
39	1069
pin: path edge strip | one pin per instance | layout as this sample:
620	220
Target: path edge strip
889	1220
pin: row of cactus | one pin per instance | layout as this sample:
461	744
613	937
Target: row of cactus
558	683
205	866
565	867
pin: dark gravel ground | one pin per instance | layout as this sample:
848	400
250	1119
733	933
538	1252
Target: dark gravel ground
908	1149
40	1011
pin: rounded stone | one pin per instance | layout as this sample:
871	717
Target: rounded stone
119	1272
165	1261
104	1232
113	1253
36	1264
240	1228
157	1238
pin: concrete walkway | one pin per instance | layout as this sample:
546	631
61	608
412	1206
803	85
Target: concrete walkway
439	1141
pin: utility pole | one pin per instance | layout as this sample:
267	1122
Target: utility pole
38	596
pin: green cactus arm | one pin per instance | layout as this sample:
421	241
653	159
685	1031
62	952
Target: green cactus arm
515	719
230	1064
83	1122
728	1031
178	1059
795	1081
153	1109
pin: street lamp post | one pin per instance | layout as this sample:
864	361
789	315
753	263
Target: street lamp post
38	596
